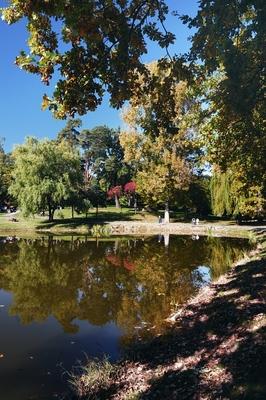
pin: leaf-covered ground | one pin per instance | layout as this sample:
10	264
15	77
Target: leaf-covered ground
215	349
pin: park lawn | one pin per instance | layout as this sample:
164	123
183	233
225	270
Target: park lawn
22	224
64	222
80	224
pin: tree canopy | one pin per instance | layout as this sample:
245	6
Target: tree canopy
158	141
229	42
232	196
160	171
97	47
5	175
104	156
94	45
70	133
231	34
45	173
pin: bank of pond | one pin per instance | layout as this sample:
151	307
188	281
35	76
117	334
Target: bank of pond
63	300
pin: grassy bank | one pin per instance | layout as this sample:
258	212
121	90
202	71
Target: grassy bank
64	223
214	349
120	221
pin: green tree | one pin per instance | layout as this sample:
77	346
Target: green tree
232	35
70	133
236	155
5	175
158	141
229	41
221	193
104	156
45	174
230	196
199	196
160	171
93	44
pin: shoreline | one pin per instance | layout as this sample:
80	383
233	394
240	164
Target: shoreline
117	228
214	349
182	228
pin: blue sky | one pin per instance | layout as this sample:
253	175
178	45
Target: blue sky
21	93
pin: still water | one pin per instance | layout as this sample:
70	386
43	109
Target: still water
62	300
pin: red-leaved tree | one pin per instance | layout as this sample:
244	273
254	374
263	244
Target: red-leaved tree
130	187
114	193
130	190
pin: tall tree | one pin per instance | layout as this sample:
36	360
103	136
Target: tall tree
5	175
235	152
229	41
160	172
70	133
158	141
45	174
104	156
223	202
95	45
231	195
232	34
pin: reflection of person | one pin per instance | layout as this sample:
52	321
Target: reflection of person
195	237
166	239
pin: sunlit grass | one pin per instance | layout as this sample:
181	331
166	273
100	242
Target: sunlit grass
82	223
63	219
93	376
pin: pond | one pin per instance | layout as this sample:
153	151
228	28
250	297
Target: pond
65	299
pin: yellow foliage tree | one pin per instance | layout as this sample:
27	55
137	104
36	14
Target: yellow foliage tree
158	141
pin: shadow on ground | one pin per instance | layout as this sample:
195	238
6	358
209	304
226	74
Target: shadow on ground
216	350
219	347
91	220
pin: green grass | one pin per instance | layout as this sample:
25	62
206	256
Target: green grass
21	224
106	214
63	221
95	375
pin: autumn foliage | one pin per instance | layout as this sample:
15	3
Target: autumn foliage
130	187
115	191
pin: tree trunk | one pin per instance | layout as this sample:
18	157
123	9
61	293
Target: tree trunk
166	214
117	203
51	213
72	211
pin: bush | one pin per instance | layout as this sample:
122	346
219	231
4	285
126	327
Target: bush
100	230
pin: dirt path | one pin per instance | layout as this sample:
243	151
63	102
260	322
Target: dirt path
206	228
215	350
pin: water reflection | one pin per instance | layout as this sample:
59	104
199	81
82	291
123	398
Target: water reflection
134	283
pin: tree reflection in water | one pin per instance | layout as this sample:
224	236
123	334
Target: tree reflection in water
135	283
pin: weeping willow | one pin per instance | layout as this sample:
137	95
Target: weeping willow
222	201
231	195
